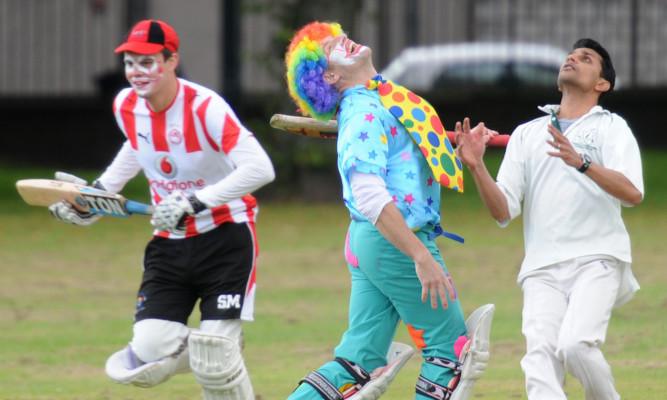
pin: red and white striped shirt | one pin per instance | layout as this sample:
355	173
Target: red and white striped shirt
196	145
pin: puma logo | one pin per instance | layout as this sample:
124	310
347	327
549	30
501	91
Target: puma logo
146	137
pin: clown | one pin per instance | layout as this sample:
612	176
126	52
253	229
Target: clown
397	271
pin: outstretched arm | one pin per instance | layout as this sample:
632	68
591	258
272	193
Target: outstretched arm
470	147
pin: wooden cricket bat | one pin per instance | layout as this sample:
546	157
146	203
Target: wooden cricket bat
312	127
44	192
305	126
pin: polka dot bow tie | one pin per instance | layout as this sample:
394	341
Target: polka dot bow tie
420	119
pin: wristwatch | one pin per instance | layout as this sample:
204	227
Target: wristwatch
587	163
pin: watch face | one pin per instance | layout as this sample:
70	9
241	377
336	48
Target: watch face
587	162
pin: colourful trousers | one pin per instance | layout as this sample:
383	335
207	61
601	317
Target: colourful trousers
385	290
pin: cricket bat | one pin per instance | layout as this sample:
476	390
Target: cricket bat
44	192
305	126
312	127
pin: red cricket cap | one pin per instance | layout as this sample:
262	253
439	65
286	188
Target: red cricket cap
149	37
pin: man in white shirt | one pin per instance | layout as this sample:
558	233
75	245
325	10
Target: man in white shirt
572	170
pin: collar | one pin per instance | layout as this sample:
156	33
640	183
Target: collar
597	109
361	89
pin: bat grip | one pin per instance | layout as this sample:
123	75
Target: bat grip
135	207
499	140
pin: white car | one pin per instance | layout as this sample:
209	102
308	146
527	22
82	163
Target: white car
477	64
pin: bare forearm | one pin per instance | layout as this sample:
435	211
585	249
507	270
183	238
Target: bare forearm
489	192
470	149
392	226
614	183
435	283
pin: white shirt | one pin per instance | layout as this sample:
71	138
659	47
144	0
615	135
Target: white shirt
197	145
566	214
370	193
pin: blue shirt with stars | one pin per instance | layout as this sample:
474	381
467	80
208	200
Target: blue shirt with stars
372	140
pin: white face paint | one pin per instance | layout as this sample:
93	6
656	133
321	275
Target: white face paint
143	72
345	52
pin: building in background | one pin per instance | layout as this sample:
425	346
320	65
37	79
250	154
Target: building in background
58	69
65	47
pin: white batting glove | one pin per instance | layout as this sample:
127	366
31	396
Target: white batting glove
65	212
170	214
66	177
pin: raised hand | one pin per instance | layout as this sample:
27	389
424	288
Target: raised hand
471	144
563	149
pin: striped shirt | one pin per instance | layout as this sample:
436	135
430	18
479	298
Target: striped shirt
187	148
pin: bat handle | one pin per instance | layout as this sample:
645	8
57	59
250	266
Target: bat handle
498	141
135	207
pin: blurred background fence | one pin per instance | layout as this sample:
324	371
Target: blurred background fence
58	71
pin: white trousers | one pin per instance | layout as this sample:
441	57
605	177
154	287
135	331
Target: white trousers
566	312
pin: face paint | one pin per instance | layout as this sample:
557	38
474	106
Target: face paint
143	72
345	52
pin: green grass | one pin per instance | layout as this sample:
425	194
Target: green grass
67	296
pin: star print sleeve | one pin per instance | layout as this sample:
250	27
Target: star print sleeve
364	145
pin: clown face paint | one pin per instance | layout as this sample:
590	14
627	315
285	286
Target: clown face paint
143	72
345	51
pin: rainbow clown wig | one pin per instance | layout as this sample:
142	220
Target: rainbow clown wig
306	62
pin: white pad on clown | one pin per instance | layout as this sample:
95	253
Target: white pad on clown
475	359
120	367
382	377
217	363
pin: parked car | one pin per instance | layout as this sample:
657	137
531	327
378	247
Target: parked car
477	65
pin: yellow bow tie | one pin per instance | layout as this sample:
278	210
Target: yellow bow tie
421	121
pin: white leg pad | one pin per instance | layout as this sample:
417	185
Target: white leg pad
382	377
120	367
475	358
217	363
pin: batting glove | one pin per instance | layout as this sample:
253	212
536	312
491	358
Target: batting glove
65	212
170	214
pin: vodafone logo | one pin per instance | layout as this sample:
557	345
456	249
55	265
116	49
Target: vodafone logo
170	186
166	166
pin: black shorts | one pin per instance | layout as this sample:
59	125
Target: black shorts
216	267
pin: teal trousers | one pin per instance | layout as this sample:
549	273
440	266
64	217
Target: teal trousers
385	290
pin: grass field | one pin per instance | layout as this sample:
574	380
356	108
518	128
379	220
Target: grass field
67	296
